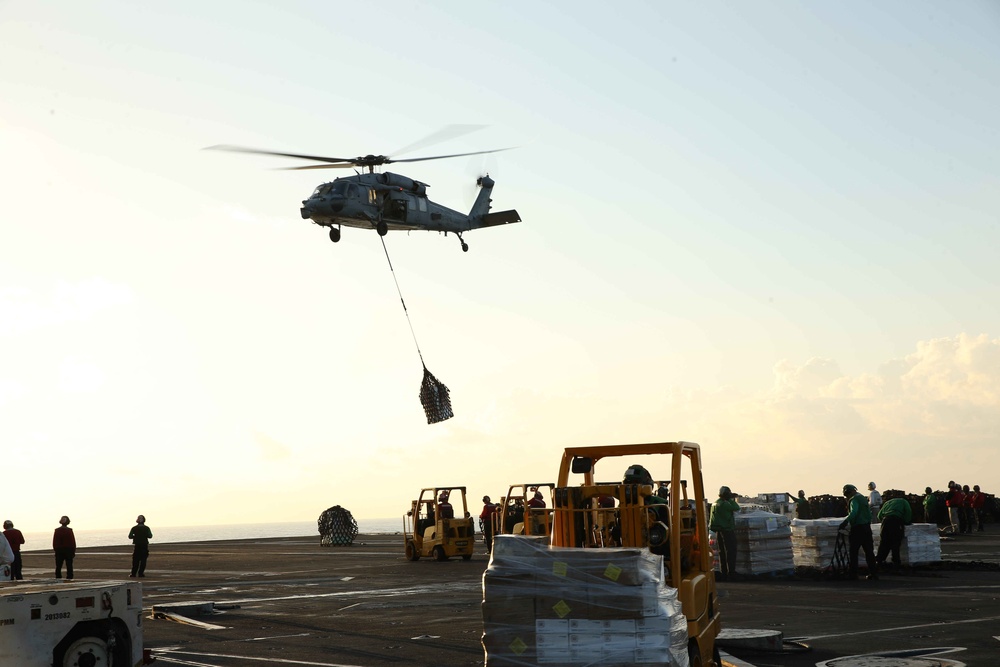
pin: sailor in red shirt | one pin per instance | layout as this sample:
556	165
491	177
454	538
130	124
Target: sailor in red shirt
64	544
16	539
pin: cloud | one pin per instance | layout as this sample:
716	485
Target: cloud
935	409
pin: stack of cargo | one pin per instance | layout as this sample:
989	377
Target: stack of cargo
814	541
568	607
763	543
921	543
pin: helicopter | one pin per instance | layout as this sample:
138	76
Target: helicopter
384	201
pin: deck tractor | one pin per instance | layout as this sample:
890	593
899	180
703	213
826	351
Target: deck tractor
436	527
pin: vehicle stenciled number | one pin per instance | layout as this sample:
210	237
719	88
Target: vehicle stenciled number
461	543
57	616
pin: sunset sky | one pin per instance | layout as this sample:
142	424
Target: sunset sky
769	228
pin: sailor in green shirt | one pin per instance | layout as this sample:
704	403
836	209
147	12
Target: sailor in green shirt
930	502
723	524
894	515
859	518
801	505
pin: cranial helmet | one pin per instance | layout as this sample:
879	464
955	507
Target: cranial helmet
8	524
486	499
140	519
724	491
850	489
64	520
871	486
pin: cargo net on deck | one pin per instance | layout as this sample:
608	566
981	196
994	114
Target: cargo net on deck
337	527
434	396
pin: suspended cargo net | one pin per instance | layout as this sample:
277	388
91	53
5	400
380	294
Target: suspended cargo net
337	527
434	398
434	395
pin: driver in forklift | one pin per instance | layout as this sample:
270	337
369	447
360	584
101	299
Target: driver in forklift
447	511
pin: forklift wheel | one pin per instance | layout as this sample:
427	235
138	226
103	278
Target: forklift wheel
694	654
411	551
466	556
439	553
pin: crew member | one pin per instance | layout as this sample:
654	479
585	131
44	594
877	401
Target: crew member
486	522
894	514
64	545
15	539
140	536
722	522
859	519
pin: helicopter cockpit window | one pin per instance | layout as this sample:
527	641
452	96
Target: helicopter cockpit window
410	204
337	188
422	205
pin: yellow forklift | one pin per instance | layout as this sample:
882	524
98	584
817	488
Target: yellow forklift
520	512
640	512
435	527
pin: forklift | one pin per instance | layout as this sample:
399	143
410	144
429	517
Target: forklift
434	527
640	512
518	514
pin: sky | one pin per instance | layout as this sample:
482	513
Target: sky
768	228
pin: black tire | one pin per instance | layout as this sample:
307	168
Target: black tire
88	644
411	551
465	247
466	556
382	228
716	657
439	553
694	655
334	234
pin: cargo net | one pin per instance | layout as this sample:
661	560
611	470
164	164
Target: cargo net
434	397
337	527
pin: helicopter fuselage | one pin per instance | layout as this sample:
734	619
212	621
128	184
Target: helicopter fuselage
387	201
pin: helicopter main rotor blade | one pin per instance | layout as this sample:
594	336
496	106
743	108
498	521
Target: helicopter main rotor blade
257	151
441	157
349	165
445	133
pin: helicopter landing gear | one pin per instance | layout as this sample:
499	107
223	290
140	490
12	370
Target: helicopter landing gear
465	246
382	228
334	234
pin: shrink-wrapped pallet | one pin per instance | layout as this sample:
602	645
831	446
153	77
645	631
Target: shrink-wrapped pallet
921	543
763	543
562	607
814	541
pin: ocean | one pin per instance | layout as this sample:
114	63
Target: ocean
35	541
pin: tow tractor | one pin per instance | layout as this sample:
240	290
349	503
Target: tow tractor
55	623
435	527
518	515
635	513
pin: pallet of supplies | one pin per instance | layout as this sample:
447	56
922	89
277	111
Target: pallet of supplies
921	543
763	543
562	607
814	541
